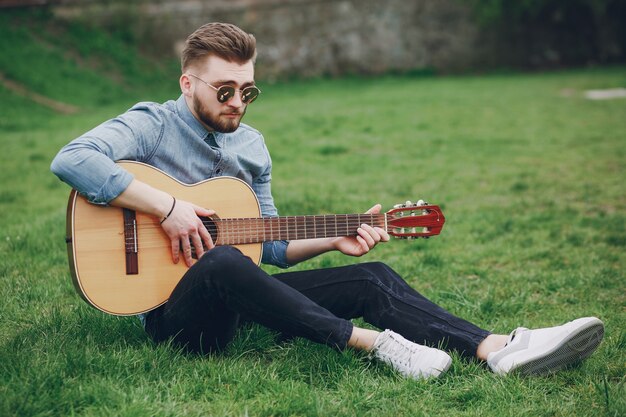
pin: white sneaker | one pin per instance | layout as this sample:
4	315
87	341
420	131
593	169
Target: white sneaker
408	358
547	350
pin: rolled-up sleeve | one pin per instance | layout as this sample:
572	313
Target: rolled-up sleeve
274	252
87	163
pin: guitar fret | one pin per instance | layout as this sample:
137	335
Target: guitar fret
242	231
257	232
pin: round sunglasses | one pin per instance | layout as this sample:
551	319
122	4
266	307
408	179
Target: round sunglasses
226	92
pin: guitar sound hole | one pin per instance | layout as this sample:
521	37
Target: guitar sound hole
211	226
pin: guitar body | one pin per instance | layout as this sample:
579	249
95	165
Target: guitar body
97	242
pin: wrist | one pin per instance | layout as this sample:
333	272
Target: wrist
168	213
333	243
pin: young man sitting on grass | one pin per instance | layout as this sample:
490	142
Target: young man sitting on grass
200	136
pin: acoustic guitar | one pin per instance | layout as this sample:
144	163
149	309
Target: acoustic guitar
120	259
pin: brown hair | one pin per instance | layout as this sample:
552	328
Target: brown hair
221	39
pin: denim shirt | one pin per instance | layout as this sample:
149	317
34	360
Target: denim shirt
168	136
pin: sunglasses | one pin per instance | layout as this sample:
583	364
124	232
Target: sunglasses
226	92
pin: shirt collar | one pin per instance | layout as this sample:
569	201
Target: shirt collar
189	118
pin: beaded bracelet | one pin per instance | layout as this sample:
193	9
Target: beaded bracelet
171	210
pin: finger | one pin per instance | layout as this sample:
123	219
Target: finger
186	249
384	236
374	210
175	250
197	243
367	238
372	231
201	211
363	244
206	238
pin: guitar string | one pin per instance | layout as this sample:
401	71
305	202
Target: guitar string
248	230
284	223
158	241
293	223
294	233
254	230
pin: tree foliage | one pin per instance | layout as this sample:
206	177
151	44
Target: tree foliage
555	32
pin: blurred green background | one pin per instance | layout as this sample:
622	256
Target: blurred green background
528	170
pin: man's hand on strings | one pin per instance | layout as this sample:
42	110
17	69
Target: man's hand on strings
184	228
366	239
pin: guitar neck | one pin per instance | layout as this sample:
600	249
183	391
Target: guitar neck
257	230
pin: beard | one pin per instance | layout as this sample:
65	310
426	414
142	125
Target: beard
214	121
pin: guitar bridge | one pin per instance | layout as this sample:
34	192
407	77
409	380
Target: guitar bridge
130	242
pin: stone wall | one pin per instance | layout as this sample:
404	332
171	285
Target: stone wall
305	38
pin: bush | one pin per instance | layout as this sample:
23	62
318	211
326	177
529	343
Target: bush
554	33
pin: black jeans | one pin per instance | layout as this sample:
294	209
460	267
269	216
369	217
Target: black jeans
224	286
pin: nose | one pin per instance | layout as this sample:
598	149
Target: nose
235	100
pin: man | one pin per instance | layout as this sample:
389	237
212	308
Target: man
199	136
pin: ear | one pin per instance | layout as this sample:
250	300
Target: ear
185	85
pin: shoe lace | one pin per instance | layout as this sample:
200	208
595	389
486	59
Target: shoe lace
398	350
513	334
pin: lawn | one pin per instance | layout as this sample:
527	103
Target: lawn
529	174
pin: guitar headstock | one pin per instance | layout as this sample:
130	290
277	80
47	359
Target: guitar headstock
413	220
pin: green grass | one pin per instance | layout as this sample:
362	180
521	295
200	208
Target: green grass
530	180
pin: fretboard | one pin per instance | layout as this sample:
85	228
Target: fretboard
256	230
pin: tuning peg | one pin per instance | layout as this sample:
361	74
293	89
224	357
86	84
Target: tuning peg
408	203
398	206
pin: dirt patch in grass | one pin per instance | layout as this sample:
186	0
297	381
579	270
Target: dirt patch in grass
55	105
